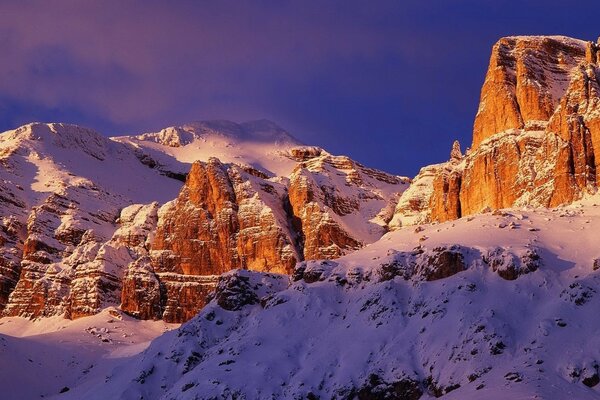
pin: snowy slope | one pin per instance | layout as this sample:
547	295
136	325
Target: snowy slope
53	157
65	178
259	144
42	357
492	306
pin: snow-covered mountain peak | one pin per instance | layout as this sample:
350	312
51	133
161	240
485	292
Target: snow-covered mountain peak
261	144
259	131
69	137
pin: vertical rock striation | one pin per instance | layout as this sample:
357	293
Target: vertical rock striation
536	136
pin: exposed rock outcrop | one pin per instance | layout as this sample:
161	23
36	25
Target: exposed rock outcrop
445	201
231	217
413	207
339	204
89	277
536	136
223	219
526	78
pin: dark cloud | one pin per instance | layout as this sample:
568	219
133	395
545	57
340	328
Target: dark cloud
390	83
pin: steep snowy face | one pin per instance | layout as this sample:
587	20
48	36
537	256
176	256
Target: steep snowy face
492	306
536	137
259	144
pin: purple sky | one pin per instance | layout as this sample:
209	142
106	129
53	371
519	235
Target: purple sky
390	83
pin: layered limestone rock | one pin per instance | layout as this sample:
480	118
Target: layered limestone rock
339	204
445	202
413	206
576	126
433	195
526	78
226	217
97	284
55	237
89	276
13	232
536	136
230	217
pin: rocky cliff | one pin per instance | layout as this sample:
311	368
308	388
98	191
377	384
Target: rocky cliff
339	204
232	217
535	136
60	203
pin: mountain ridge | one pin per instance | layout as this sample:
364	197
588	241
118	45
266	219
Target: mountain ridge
302	274
71	236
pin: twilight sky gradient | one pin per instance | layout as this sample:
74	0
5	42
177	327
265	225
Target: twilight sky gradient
390	83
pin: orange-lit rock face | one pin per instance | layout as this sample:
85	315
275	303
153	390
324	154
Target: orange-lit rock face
229	217
323	236
340	205
536	138
576	124
224	219
445	199
88	277
413	208
445	202
525	80
498	173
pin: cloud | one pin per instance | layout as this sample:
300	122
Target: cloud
132	60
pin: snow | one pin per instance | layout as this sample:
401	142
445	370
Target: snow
413	206
365	197
58	156
39	358
259	144
533	337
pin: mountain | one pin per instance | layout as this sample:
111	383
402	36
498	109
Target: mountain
147	223
304	275
256	144
230	216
